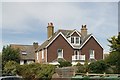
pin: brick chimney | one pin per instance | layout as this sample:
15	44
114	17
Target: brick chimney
50	30
35	45
84	30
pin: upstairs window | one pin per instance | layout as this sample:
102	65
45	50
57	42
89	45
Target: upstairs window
60	53
72	40
92	54
24	52
77	40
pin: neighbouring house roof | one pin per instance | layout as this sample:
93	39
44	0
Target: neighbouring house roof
29	49
66	34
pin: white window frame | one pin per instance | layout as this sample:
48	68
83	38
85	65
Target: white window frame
37	55
82	57
24	52
75	39
42	54
59	53
76	56
93	54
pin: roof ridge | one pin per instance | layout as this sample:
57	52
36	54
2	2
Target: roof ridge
21	45
64	30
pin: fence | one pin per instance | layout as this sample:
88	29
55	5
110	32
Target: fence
93	74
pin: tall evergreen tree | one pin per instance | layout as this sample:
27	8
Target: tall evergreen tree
114	57
9	54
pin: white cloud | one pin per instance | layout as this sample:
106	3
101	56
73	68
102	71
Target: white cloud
26	17
16	14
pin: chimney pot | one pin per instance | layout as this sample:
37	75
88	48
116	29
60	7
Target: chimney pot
51	24
84	30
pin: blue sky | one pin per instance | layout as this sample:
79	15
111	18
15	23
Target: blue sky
26	22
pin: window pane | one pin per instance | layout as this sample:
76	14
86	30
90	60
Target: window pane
77	40
42	54
60	53
91	54
72	39
24	52
37	55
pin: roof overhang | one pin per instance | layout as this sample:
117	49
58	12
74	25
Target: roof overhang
60	33
88	40
76	32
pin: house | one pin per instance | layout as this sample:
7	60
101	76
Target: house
27	52
71	45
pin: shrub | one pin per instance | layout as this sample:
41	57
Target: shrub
82	68
98	66
35	70
10	68
78	64
64	63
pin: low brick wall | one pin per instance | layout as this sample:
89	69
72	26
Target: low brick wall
65	72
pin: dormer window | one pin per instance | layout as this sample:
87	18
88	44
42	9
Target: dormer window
75	40
24	52
72	40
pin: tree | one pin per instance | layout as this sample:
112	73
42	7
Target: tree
98	66
114	57
10	68
115	43
9	54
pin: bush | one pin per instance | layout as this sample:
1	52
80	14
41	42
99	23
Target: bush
33	71
98	66
82	68
63	63
10	68
78	64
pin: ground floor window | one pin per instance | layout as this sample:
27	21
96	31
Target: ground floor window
37	54
76	53
92	54
60	53
42	54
